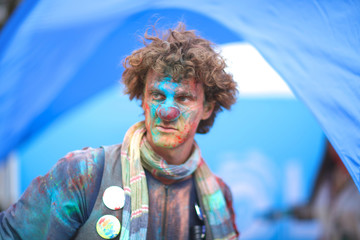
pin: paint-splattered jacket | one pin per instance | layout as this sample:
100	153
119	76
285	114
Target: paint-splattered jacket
67	202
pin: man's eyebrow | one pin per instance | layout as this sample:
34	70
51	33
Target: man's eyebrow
185	93
154	89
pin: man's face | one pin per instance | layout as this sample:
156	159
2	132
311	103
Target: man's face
173	110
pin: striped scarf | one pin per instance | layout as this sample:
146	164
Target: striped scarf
136	154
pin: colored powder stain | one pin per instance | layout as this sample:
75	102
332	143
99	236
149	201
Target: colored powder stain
94	156
217	200
69	155
71	209
168	78
83	167
186	113
41	188
180	140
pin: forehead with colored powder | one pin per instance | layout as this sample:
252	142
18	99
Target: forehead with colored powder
189	86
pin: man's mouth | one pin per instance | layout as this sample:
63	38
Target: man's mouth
167	129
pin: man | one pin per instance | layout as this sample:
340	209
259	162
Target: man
155	184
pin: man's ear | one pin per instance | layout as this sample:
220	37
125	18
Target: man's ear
208	109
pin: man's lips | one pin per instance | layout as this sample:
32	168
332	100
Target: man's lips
163	128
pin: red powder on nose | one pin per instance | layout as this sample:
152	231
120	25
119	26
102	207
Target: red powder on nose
169	113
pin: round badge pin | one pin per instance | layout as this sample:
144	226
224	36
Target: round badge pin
114	197
108	226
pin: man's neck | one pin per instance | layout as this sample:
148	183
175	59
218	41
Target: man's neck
174	156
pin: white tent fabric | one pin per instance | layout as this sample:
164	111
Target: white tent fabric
9	181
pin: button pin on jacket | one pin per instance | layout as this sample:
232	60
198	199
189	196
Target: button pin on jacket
114	197
108	226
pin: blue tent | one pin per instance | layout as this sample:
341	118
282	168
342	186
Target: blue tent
313	45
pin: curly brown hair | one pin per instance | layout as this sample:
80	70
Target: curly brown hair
182	54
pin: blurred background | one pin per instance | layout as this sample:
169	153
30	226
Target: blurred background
60	67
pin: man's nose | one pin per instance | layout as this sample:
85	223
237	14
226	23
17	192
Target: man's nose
168	113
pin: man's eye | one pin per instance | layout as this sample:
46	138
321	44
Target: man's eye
158	96
183	98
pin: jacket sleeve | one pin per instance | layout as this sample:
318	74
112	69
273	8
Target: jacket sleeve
229	202
55	205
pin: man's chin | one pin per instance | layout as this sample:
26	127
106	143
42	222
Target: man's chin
168	141
167	144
